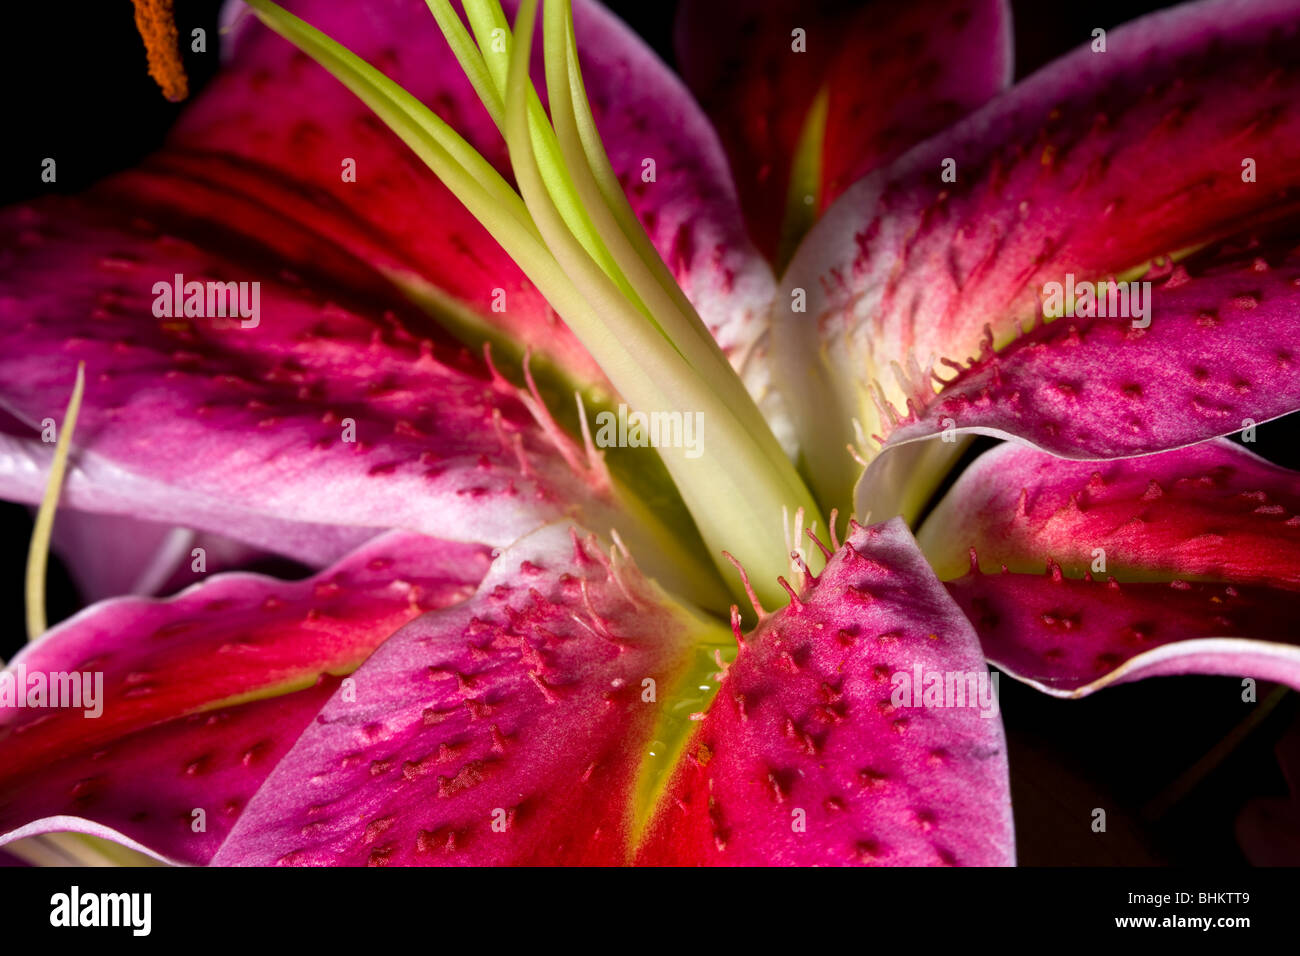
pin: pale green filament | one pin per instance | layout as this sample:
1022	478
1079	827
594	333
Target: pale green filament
470	59
579	176
712	493
495	42
640	261
583	250
38	554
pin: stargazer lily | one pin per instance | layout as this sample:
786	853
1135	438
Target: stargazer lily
517	647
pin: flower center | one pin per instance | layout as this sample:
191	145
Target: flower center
571	230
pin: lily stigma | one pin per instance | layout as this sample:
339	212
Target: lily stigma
475	314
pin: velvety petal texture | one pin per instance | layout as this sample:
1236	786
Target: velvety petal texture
1213	354
275	131
507	729
1070	636
1189	560
893	74
319	409
1212	511
197	697
96	488
809	755
1092	168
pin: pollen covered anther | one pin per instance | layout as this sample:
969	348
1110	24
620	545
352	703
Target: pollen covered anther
157	25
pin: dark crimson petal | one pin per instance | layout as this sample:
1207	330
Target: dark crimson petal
1268	828
1070	637
906	71
183	719
895	74
807	757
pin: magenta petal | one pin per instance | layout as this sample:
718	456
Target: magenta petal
804	758
1209	512
326	410
182	723
1070	637
95	487
172	791
1094	166
507	729
270	134
1218	528
1218	355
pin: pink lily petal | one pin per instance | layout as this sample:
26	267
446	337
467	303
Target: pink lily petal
1217	356
1201	545
101	489
1210	512
804	757
506	729
896	73
1094	166
260	418
271	134
1070	637
184	721
110	555
171	791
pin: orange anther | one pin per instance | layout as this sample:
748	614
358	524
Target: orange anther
157	25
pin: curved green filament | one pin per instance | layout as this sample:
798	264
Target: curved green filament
470	59
38	554
495	42
736	490
491	30
637	257
732	490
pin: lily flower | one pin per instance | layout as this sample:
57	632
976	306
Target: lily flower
343	315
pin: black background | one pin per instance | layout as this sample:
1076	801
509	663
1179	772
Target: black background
76	88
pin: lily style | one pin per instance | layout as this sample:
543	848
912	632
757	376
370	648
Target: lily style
471	230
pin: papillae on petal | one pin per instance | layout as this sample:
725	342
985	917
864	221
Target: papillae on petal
1182	562
811	753
185	705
